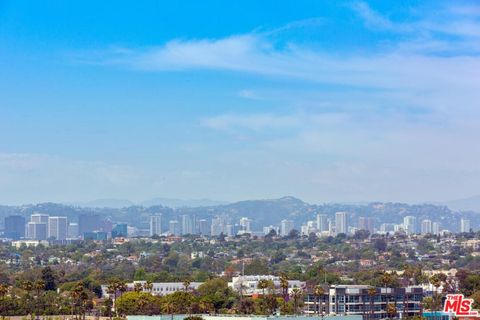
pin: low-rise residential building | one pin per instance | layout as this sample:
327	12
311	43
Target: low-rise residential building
157	288
248	285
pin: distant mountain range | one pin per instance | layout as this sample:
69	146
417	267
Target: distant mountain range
470	203
165	202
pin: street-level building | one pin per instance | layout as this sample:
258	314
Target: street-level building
361	300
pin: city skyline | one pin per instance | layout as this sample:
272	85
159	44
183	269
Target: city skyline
342	101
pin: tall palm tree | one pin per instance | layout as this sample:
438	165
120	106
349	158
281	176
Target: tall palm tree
263	284
387	280
186	284
436	282
296	295
3	290
318	292
122	288
372	292
112	289
39	285
284	286
76	295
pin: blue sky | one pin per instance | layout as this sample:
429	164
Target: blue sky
324	100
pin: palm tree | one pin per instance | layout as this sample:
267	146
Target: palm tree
122	287
387	280
318	292
148	286
39	286
75	295
112	289
436	282
391	310
186	284
284	286
137	287
371	292
296	295
263	284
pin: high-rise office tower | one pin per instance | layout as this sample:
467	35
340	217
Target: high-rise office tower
203	227
37	230
39	218
409	224
57	228
285	227
174	227
322	222
72	232
341	222
219	226
426	227
436	228
464	225
14	227
245	225
155	224
89	223
366	223
120	230
187	224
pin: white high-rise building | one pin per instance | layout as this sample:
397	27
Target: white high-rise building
322	222
57	228
245	225
267	230
308	228
37	230
155	225
464	225
341	222
285	227
219	226
436	228
39	218
409	223
187	224
426	226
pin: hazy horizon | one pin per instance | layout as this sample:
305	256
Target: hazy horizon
327	101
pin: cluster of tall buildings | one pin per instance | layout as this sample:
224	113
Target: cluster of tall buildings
324	226
41	226
187	224
411	226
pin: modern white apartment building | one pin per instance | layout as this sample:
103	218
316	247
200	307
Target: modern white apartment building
341	222
155	224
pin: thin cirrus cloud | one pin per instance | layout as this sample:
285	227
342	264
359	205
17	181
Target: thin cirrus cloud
423	59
